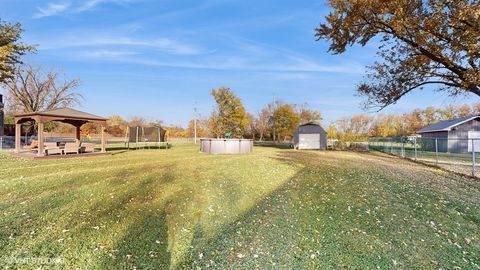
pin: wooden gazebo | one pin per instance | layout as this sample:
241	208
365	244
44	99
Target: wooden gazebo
65	115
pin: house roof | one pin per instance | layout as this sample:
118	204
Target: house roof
63	113
447	125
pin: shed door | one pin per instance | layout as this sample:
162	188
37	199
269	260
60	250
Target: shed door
474	141
309	141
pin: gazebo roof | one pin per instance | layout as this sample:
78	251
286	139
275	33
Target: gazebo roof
62	115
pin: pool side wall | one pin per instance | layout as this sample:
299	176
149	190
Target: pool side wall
226	146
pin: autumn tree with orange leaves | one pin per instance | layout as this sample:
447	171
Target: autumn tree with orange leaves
422	43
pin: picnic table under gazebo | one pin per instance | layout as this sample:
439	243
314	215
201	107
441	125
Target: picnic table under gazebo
64	115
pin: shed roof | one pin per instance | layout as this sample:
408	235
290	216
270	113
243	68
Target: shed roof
447	125
313	126
312	123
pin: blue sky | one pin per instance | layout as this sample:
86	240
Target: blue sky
158	58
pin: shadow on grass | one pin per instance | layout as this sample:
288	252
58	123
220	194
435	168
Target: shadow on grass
143	246
334	214
149	242
226	248
132	148
277	225
274	144
90	221
116	152
303	216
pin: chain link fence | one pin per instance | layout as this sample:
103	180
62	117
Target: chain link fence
458	155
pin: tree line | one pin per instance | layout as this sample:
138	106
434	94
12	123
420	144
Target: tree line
276	121
360	127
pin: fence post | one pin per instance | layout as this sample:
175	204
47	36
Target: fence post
473	158
391	146
403	146
436	151
415	146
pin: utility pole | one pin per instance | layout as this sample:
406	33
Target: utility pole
274	124
195	122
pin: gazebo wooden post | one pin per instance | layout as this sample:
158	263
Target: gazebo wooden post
103	138
40	139
77	133
18	135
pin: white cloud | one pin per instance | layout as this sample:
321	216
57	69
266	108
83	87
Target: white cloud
286	76
166	45
90	4
245	64
173	46
87	5
112	54
260	56
235	54
51	9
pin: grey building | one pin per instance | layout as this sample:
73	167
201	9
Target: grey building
310	136
454	136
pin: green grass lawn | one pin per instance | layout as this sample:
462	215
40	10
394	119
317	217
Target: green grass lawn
274	208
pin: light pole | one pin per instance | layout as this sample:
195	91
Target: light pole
274	124
195	123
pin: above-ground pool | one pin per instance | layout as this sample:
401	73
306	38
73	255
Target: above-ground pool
226	146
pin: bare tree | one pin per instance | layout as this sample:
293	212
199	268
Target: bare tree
137	121
308	114
32	89
262	122
354	128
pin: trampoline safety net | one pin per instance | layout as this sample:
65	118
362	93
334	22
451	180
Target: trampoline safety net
146	134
